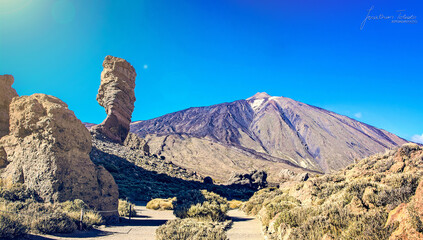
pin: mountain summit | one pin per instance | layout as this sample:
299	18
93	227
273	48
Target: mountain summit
262	132
259	95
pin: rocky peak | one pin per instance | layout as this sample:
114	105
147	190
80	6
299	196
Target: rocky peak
116	94
7	93
259	95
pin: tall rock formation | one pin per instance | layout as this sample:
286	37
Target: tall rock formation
7	93
116	94
48	149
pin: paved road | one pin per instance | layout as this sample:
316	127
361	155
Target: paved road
142	227
244	227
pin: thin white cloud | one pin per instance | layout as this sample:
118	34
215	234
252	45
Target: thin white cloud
417	138
145	66
358	115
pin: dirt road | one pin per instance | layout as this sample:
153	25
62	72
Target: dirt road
244	227
142	227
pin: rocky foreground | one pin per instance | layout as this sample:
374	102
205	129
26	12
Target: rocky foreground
45	149
380	197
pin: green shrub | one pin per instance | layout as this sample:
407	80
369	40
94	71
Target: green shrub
356	189
11	227
330	188
201	205
73	210
91	219
181	229
48	217
416	222
258	200
369	226
275	207
402	187
403	179
17	192
126	208
73	206
294	217
338	223
54	223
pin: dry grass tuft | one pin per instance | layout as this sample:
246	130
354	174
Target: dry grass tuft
161	204
201	205
126	208
190	229
235	204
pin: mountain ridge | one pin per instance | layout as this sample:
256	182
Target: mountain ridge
278	128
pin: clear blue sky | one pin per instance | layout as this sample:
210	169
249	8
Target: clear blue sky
199	52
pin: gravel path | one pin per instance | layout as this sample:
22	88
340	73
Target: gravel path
142	227
244	227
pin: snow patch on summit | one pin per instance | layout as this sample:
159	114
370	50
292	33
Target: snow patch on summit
255	105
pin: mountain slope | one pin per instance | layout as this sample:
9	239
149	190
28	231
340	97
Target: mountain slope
272	129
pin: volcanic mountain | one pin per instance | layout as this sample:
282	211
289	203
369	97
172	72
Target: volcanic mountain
262	132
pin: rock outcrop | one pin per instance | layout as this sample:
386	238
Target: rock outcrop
409	215
48	149
136	143
7	93
288	175
379	197
255	179
116	94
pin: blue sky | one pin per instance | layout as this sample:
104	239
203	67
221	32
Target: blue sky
196	52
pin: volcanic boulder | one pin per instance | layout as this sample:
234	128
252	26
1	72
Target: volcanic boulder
116	94
136	143
48	149
7	93
255	179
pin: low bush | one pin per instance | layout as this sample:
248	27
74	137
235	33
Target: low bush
11	227
54	223
161	204
202	205
259	199
16	192
35	214
416	222
181	229
89	220
126	208
294	217
368	226
336	222
234	204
